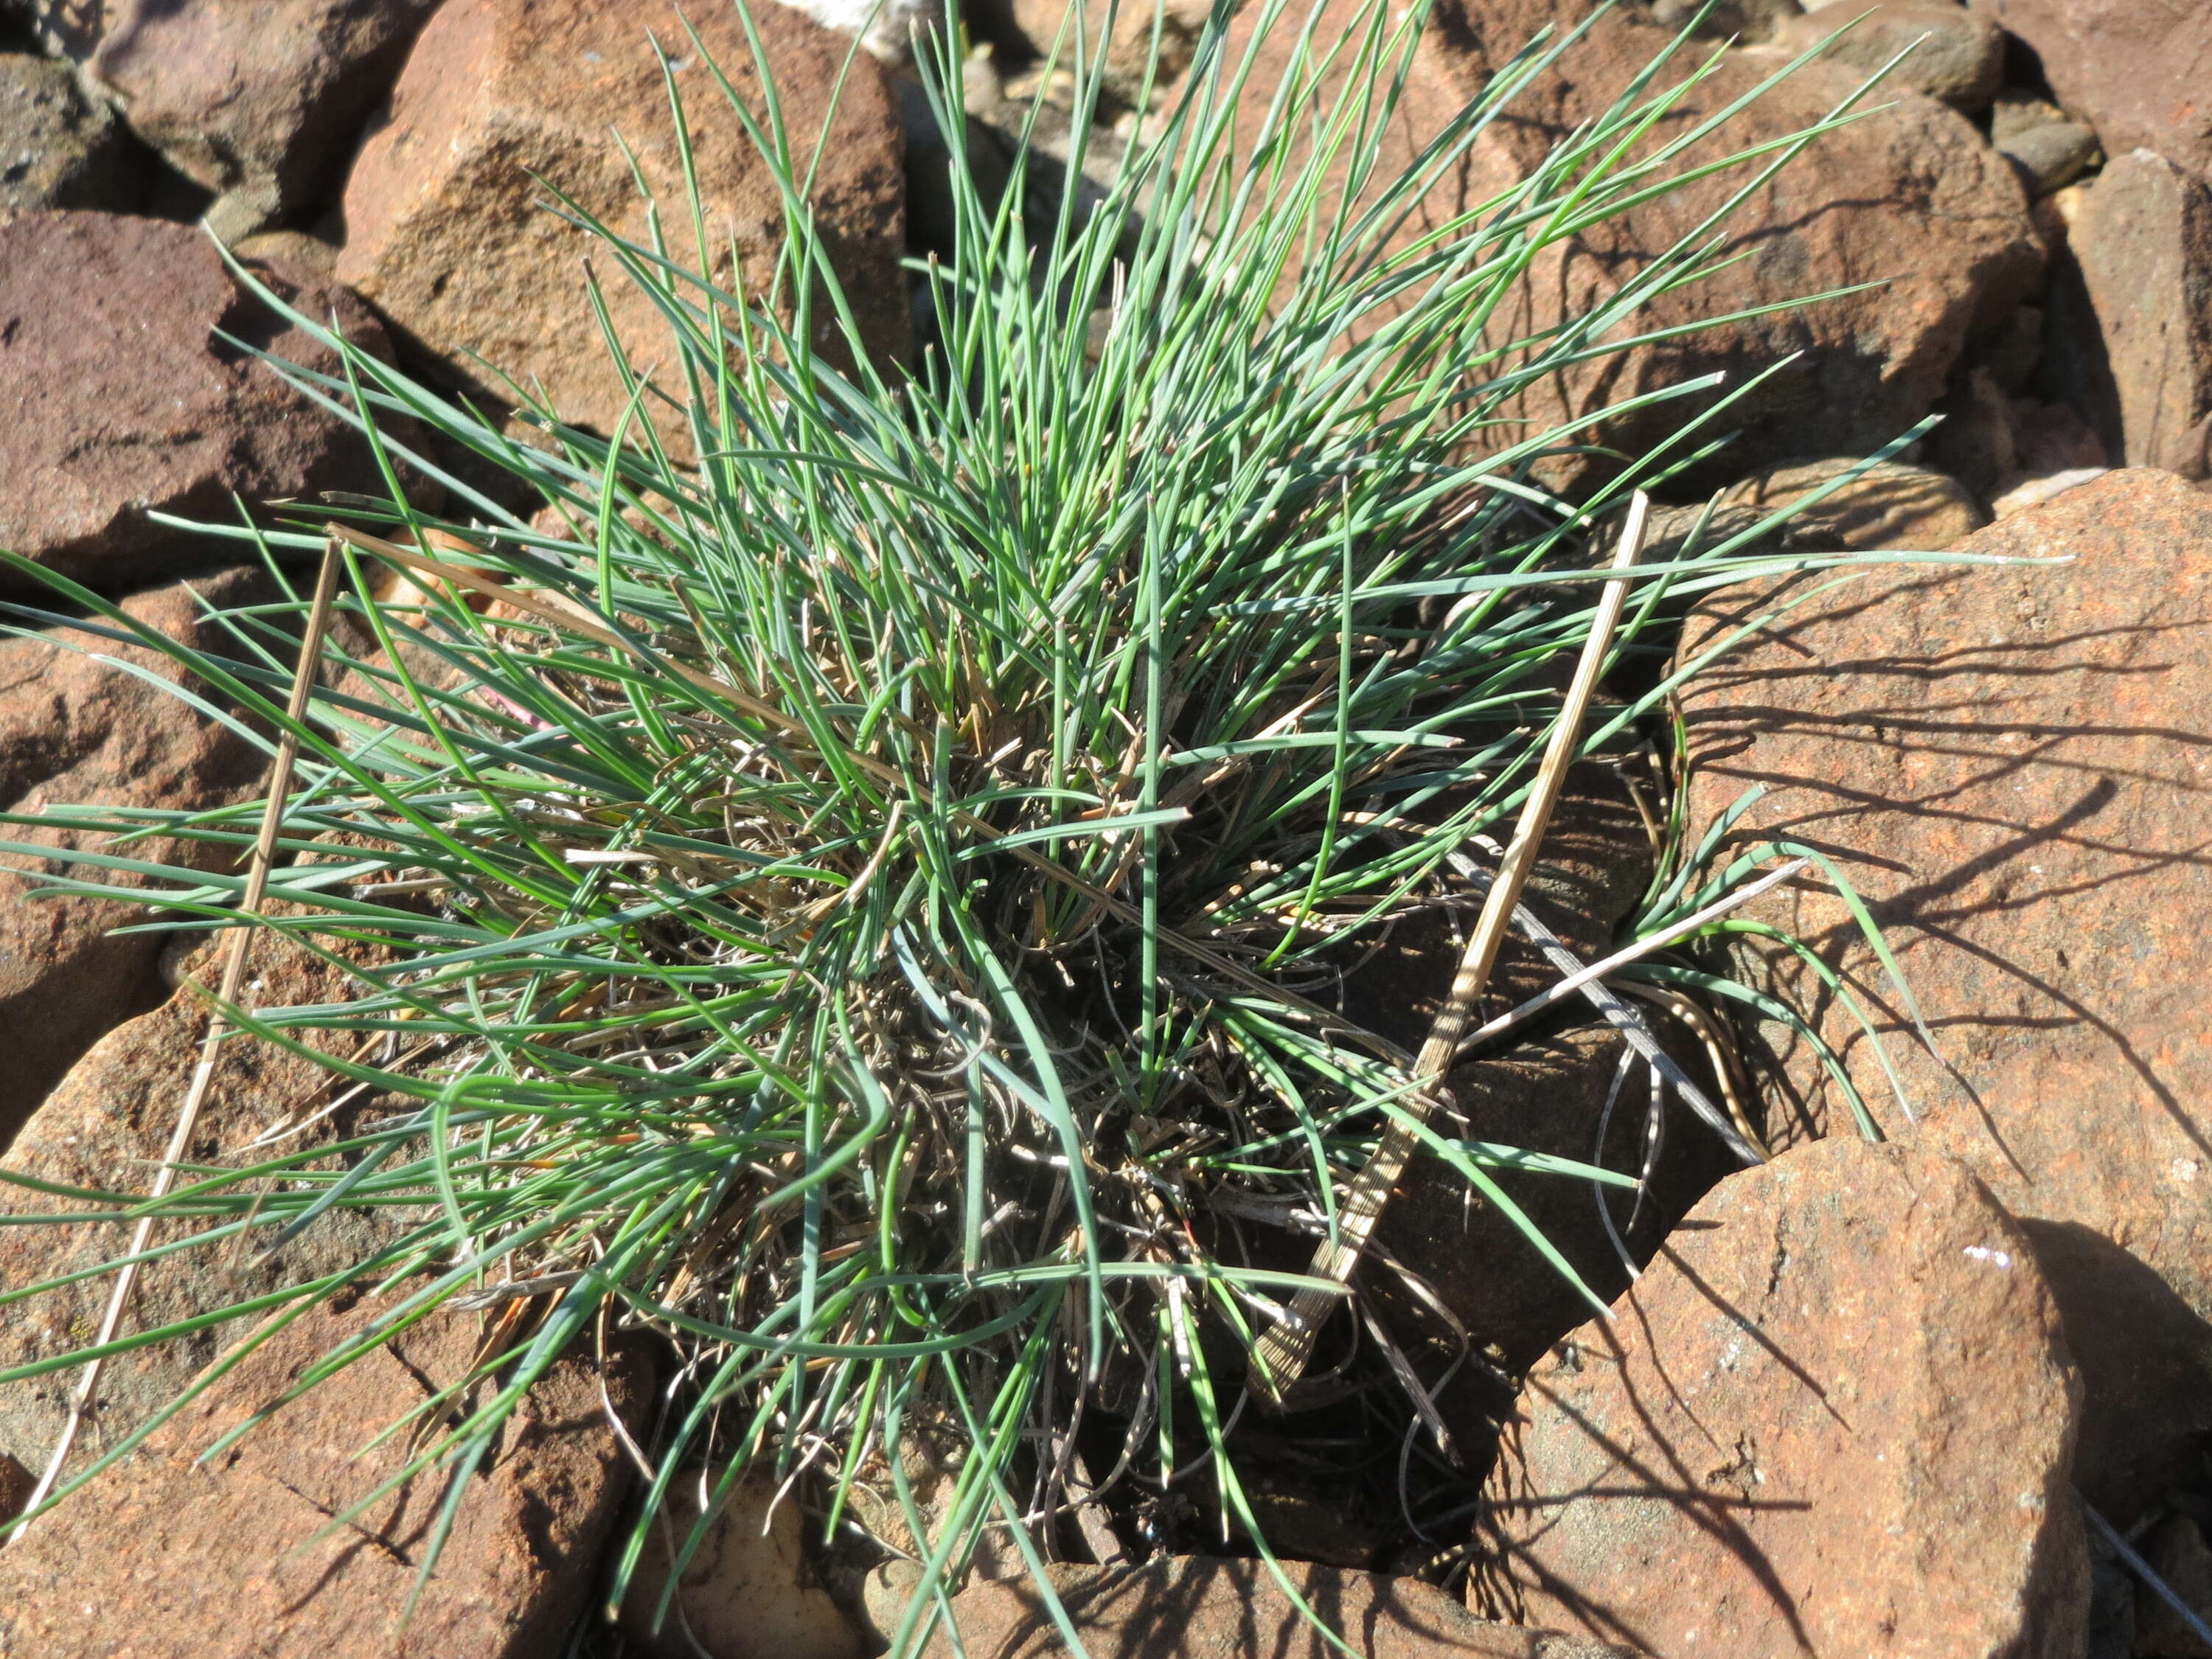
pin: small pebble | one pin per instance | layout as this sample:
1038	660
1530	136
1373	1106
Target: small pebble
2015	110
981	85
2052	155
2018	494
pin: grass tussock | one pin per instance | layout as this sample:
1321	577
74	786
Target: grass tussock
861	895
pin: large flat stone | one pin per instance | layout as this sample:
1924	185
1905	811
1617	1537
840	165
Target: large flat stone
1837	1417
2013	765
87	721
105	1129
116	399
169	1557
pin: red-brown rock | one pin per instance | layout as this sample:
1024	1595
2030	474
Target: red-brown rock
445	229
115	399
77	731
251	95
1916	176
1949	52
165	1558
1912	199
2050	154
2132	311
105	1129
2011	764
2134	69
1836	1418
1197	1608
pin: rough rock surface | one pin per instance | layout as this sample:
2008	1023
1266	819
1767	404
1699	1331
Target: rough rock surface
1836	1419
77	730
296	249
1197	1608
2011	764
1954	54
2135	71
105	1128
1728	20
1131	48
2017	494
1999	445
1889	506
445	229
2049	147
166	1559
2132	315
2052	155
266	96
2016	109
57	148
116	401
746	1593
1916	177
